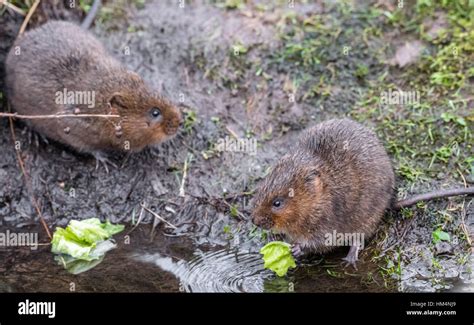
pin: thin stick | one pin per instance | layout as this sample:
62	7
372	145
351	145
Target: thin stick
140	217
189	147
238	212
433	195
232	132
91	15
462	176
463	223
18	156
28	17
12	7
185	173
38	117
27	180
158	217
400	239
468	99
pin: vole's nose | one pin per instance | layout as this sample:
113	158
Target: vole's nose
262	221
172	125
255	220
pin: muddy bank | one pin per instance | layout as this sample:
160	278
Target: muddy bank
233	72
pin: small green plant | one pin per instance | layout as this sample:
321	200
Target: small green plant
234	212
362	71
85	5
435	263
410	173
440	235
190	119
450	117
334	274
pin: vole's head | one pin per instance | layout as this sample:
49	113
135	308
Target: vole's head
146	119
288	198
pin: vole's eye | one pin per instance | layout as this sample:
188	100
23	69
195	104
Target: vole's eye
155	113
277	203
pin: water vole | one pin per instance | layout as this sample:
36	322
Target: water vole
337	179
51	68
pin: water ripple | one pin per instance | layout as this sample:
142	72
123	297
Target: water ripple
219	271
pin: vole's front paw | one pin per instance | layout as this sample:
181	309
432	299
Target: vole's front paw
297	251
101	159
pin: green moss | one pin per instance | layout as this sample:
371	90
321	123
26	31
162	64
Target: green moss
433	136
449	65
362	71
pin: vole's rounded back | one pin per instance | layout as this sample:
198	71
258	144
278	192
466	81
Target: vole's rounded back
60	68
338	177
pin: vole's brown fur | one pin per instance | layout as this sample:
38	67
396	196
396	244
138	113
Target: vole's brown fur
338	177
60	55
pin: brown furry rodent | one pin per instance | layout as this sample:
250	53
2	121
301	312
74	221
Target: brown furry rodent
60	57
338	179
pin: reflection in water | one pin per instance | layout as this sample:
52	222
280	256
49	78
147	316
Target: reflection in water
220	271
133	268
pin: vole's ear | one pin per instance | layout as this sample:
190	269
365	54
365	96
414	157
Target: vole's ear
312	175
312	180
117	100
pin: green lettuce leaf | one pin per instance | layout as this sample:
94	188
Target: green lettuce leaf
76	266
92	230
85	239
65	242
277	257
112	229
96	256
